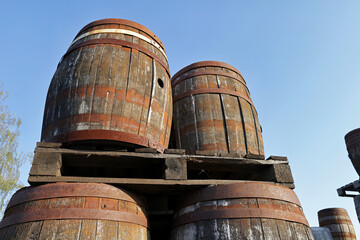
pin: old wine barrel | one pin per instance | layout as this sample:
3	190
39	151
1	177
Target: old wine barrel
213	111
352	140
357	206
112	84
248	210
321	233
338	222
74	211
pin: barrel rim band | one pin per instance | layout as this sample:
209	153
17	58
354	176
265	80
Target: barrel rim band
239	214
213	90
121	31
122	22
206	64
111	135
207	72
241	190
73	213
120	43
59	190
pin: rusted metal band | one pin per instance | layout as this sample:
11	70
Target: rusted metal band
122	22
241	190
334	221
73	213
174	82
239	214
119	43
206	64
98	134
213	90
120	31
352	138
58	190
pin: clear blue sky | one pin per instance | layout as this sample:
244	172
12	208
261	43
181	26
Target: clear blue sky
301	61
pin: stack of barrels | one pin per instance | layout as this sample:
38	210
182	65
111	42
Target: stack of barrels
113	88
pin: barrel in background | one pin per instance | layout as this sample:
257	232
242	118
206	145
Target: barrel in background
338	222
74	211
213	111
249	210
112	84
352	140
357	205
321	233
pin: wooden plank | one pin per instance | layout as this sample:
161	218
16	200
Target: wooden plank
175	151
144	185
48	145
146	150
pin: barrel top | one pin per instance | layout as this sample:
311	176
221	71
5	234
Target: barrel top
353	135
205	64
58	190
123	22
332	211
249	189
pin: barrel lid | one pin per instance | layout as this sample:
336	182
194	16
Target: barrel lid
332	211
246	189
61	189
205	64
352	137
123	22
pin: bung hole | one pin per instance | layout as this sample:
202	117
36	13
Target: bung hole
160	82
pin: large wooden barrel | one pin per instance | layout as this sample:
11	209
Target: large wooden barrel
249	210
213	111
321	233
357	206
112	84
338	222
352	140
74	211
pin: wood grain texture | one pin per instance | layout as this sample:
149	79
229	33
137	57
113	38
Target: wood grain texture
110	87
65	226
205	225
208	120
338	222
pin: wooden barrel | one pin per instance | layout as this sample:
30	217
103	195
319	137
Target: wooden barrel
112	84
321	233
74	211
338	222
213	111
357	206
248	210
352	140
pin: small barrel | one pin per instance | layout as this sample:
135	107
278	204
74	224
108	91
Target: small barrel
111	86
357	206
74	211
321	233
248	210
352	140
338	222
213	111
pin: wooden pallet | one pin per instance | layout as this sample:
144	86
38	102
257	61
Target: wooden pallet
160	178
351	187
152	172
